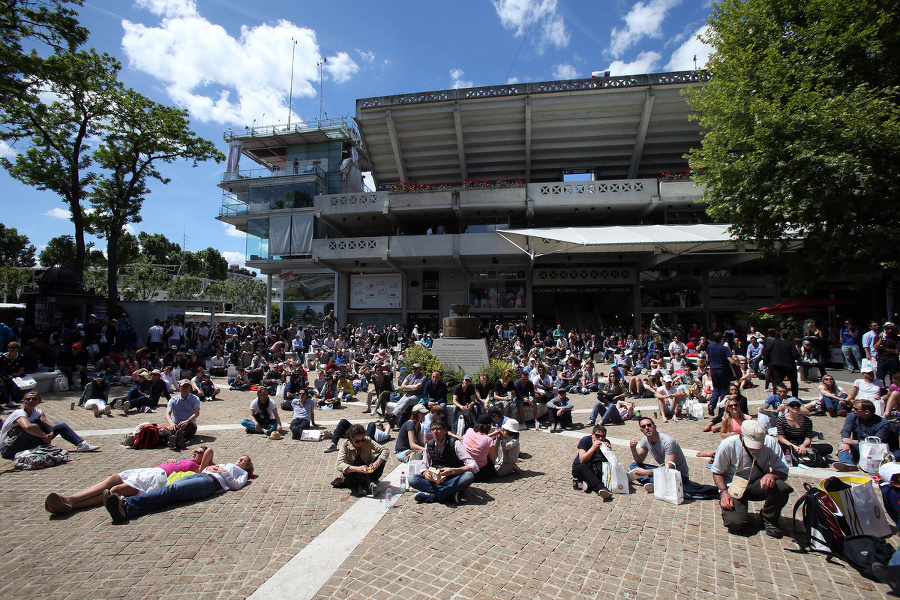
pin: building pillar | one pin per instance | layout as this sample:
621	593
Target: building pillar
636	304
269	301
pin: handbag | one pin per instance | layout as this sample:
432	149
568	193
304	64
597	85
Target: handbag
61	383
859	501
738	486
667	484
615	475
871	454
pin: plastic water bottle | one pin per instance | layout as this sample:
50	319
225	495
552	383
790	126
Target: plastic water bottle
403	487
789	457
387	497
871	466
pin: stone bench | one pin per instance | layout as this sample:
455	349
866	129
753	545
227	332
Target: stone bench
45	381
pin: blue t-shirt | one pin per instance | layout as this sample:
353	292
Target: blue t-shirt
182	408
585	444
847	338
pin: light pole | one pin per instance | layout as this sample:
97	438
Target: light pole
291	92
321	66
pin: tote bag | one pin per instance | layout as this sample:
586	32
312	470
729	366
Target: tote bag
667	484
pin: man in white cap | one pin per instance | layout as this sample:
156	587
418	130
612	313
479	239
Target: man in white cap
755	458
670	398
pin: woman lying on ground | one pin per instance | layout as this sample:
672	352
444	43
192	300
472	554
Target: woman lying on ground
129	483
215	479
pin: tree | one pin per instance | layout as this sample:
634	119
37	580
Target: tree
158	250
801	132
13	280
186	287
140	136
15	249
60	251
129	249
66	104
143	281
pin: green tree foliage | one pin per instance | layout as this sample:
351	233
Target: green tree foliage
143	281
207	263
158	250
13	281
140	137
15	249
40	24
60	251
186	287
129	249
802	131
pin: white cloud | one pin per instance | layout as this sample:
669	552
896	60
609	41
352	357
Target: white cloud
225	79
458	82
646	62
565	71
538	16
341	67
366	56
128	227
643	20
233	231
58	213
512	80
169	8
368	181
234	258
6	151
683	58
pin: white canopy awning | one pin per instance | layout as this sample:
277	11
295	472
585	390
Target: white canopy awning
669	239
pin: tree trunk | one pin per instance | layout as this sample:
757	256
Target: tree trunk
80	252
112	265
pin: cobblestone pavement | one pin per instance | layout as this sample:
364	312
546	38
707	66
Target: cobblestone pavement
528	536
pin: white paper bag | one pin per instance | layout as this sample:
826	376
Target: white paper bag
872	447
61	383
460	426
667	484
615	476
863	510
232	370
414	467
279	391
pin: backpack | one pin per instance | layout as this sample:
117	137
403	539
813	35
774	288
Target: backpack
40	457
147	437
824	522
862	551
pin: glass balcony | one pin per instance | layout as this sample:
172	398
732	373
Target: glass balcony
243	176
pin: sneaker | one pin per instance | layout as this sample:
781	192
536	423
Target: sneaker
126	406
85	447
424	497
96	410
605	494
56	505
591	422
107	411
773	530
839	466
112	403
586	488
115	506
11	405
373	489
648	487
331	448
171	441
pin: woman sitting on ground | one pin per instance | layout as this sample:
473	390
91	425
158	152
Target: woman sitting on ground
833	398
215	479
410	444
96	395
733	417
129	483
734	395
795	435
893	395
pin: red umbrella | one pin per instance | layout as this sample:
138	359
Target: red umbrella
803	304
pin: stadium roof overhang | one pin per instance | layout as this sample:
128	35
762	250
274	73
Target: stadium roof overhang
615	127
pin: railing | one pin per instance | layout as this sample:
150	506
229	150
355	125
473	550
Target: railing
260	173
592	187
348	127
353	199
521	89
232	210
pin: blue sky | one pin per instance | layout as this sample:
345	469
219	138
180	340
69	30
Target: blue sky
229	64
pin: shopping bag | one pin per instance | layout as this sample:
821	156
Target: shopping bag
232	370
61	383
667	484
697	409
312	435
279	391
460	426
414	467
614	474
871	450
860	504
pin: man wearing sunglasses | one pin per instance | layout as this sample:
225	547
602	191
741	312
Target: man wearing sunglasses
662	447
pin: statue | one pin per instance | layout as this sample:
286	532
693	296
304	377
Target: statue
330	320
659	329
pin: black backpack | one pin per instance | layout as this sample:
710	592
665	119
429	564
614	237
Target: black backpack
862	551
825	525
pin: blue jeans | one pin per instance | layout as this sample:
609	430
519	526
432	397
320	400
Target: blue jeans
831	403
443	491
854	351
565	419
612	416
250	426
192	487
474	412
26	441
721	379
645	479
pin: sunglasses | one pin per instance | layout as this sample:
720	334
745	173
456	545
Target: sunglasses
359	441
647	426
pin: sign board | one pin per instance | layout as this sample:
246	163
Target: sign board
375	291
468	355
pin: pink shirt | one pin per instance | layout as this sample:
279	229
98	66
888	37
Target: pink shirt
179	467
478	445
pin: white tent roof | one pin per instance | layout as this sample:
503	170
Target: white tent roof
675	239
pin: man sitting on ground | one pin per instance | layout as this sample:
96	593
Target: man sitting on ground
454	468
670	398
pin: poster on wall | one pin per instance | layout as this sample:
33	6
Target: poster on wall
375	291
307	287
306	313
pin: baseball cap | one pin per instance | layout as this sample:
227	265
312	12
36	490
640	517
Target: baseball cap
668	379
421	408
753	433
467	378
794	401
867	369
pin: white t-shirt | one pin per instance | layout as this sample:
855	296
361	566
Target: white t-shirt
869	391
155	334
10	422
254	408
